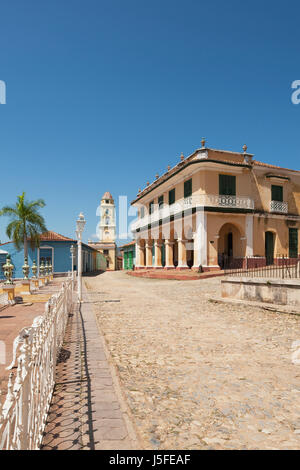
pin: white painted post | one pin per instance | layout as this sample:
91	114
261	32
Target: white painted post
249	234
200	240
79	229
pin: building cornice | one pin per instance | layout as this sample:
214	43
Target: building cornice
181	166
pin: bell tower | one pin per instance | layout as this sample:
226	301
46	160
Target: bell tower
107	219
107	232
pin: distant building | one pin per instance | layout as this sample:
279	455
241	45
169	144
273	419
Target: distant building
54	248
128	251
106	244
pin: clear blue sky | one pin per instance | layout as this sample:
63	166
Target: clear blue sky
101	95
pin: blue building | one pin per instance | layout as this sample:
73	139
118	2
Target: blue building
54	248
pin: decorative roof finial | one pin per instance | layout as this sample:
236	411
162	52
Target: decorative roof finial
157	176
181	157
169	168
148	183
245	148
139	190
203	142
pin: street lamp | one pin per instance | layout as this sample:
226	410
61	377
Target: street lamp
72	251
80	223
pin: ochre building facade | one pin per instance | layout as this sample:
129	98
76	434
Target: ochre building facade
217	208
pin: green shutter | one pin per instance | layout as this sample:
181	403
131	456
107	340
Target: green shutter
293	243
172	196
160	201
227	185
151	206
130	260
188	188
277	193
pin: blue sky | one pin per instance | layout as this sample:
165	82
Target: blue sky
102	95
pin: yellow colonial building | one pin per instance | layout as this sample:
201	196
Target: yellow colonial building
107	231
214	209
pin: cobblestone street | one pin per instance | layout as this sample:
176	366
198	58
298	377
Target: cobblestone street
198	374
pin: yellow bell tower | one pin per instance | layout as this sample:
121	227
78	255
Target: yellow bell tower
107	218
107	231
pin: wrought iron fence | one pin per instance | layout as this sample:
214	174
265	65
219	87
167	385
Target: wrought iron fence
277	268
24	413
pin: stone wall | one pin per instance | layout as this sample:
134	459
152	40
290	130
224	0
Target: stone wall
281	291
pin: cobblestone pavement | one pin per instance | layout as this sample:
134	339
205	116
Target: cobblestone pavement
197	374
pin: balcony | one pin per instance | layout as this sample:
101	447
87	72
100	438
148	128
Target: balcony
279	207
202	200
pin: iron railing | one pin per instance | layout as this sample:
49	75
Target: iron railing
280	267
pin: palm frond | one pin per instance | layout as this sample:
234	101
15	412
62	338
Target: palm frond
35	204
26	221
8	210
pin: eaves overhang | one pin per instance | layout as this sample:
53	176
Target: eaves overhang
165	178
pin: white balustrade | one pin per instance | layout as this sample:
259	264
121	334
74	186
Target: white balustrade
278	206
24	413
201	200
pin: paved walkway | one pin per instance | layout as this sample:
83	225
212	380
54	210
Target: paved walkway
199	374
87	410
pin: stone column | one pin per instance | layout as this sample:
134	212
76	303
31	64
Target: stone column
157	254
142	256
140	260
200	241
169	249
249	235
182	254
149	253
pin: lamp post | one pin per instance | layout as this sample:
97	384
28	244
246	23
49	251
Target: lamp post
80	223
72	251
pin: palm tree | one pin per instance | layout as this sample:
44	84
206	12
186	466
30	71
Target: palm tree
26	224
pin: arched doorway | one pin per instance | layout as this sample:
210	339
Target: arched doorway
231	249
269	247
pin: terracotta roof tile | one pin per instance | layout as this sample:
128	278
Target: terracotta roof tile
107	195
268	165
127	244
53	236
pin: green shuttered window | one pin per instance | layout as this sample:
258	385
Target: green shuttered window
277	193
293	243
151	207
172	196
188	188
160	201
227	185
